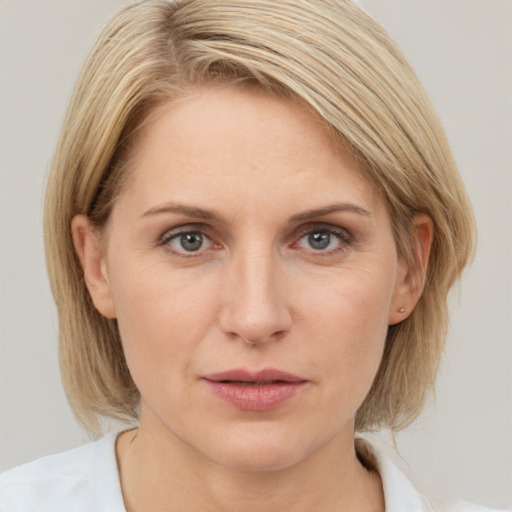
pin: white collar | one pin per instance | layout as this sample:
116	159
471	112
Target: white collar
399	493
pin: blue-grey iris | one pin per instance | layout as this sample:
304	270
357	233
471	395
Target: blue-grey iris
191	241
319	239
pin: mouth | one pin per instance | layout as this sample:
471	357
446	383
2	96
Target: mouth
252	384
255	391
265	376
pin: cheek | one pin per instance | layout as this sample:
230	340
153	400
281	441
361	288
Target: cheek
162	317
349	321
354	300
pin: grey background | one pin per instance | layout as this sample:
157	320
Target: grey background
462	50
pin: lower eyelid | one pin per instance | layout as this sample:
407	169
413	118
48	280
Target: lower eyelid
204	238
343	237
165	241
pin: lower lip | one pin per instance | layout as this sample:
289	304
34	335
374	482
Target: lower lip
256	398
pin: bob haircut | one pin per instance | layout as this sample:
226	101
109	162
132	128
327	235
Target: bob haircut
335	60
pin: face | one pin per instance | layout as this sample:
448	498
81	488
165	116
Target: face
253	273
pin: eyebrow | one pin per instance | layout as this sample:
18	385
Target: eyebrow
200	213
333	208
189	211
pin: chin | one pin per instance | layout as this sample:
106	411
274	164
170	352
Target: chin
261	451
260	460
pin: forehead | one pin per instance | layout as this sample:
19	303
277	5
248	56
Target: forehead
226	138
208	114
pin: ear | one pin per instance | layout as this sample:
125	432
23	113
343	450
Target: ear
90	252
411	278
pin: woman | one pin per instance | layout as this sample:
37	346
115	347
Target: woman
253	220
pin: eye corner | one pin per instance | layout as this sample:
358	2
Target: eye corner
327	235
187	241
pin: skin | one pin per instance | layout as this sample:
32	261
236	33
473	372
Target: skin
257	294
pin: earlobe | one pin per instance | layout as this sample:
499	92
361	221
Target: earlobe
411	278
90	252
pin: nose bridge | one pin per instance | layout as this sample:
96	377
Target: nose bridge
256	308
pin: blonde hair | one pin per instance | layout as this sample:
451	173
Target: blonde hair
328	54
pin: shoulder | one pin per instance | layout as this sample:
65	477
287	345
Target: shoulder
401	496
68	481
464	506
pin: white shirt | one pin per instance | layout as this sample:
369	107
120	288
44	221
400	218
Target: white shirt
86	479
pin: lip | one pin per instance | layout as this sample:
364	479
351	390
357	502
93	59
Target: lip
242	375
261	390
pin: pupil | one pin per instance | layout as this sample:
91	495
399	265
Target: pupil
319	240
191	241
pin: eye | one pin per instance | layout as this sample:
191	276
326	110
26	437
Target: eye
186	242
320	240
324	239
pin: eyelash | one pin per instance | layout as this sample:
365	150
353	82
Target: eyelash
343	236
175	233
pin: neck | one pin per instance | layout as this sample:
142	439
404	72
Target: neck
165	474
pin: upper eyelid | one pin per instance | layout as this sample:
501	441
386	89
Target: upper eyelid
206	230
164	241
344	236
185	228
322	226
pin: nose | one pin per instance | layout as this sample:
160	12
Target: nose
256	305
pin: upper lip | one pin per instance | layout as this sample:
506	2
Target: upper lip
243	375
